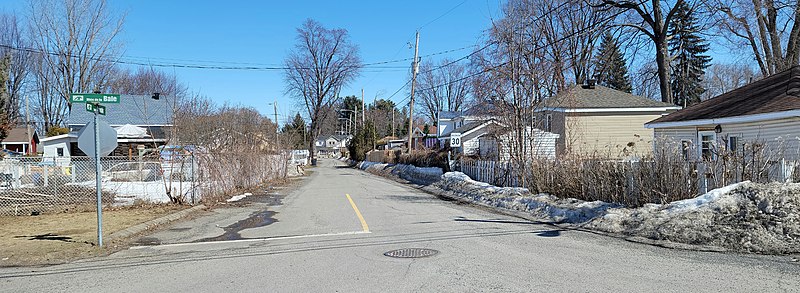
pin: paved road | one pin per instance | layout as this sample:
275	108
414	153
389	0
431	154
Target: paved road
319	243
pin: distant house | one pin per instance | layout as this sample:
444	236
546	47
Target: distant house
141	121
332	145
766	111
593	119
21	140
423	140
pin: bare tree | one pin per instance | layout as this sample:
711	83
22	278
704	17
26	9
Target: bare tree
322	62
11	37
442	87
652	19
771	29
76	45
145	81
723	77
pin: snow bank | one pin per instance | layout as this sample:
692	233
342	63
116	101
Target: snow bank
543	206
418	175
150	191
747	217
751	217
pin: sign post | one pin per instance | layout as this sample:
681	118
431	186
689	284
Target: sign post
99	141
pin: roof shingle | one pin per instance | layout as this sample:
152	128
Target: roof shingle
578	97
776	93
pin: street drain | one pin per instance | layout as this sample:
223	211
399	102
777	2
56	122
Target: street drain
411	253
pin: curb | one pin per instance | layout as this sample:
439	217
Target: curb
130	231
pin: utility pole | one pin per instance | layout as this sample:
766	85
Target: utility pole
277	127
363	109
28	122
414	69
393	132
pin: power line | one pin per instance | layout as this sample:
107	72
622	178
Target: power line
574	33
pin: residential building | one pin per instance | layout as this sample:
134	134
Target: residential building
21	139
142	122
599	121
766	112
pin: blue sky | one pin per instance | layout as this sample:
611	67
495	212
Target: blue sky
261	33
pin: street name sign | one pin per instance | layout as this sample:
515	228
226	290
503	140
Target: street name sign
94	98
100	108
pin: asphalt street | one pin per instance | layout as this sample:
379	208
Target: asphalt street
330	232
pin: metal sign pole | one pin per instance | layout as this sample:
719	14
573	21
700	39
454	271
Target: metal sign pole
98	178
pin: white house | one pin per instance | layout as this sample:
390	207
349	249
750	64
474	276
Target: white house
765	112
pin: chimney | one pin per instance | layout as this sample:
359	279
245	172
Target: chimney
793	86
156	96
590	83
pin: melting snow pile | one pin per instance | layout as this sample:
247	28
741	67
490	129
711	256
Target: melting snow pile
543	206
419	175
763	218
238	197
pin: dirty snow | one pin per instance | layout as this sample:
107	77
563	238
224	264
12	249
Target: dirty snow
238	197
749	217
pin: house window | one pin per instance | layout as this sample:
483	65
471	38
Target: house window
707	141
548	123
60	152
733	144
686	146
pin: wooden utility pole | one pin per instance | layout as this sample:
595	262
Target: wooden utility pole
363	110
277	126
414	69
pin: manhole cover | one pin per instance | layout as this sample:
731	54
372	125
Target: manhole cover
411	253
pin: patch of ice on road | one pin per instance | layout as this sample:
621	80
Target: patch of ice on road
238	197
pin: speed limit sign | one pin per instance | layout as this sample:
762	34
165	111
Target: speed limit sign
455	140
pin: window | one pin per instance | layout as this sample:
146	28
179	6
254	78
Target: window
707	141
60	152
733	144
548	123
686	146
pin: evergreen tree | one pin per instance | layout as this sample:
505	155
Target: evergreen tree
610	68
690	61
296	132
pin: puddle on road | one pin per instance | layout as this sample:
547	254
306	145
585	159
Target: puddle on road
259	219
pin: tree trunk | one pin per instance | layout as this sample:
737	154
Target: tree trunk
663	71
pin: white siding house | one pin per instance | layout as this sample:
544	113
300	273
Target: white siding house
765	112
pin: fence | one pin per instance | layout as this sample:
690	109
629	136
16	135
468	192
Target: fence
630	183
38	185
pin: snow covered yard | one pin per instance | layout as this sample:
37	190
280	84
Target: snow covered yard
745	217
150	191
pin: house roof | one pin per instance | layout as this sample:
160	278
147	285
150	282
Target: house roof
599	97
132	109
777	93
449	114
20	135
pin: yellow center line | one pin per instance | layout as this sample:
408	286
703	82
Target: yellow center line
358	213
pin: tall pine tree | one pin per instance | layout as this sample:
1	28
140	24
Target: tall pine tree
688	49
610	68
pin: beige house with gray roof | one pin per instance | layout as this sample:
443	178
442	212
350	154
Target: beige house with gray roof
600	121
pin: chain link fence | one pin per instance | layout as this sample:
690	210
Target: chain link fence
31	185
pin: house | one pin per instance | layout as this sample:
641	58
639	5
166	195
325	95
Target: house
480	132
142	122
423	138
766	111
595	120
21	139
332	145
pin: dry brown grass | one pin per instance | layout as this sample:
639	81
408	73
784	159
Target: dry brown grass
61	237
